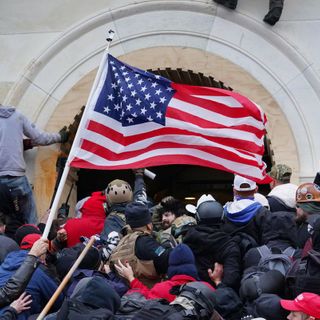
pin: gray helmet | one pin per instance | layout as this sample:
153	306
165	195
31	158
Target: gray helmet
209	212
118	191
200	293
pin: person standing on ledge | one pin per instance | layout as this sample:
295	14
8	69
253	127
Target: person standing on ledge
14	126
273	15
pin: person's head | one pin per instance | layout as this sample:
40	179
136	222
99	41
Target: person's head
207	210
25	230
138	216
304	306
281	174
28	241
307	201
118	192
170	210
243	187
182	261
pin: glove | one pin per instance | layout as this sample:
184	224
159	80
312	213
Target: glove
112	242
27	144
64	134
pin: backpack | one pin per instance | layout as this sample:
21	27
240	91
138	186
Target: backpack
73	310
160	309
273	261
298	278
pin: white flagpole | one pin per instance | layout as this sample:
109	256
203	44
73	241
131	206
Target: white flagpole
76	140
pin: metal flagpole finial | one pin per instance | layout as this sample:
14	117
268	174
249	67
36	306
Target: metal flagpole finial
110	35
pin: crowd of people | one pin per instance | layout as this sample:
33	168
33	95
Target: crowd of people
253	257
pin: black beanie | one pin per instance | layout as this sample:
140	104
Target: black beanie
24	231
137	215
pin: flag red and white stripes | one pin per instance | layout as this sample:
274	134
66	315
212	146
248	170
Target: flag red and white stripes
137	119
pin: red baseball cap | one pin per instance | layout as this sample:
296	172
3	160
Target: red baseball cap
306	302
28	241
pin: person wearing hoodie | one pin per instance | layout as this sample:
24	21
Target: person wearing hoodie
210	244
244	214
282	196
91	299
13	127
279	234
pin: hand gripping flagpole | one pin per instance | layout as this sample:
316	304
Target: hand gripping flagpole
66	170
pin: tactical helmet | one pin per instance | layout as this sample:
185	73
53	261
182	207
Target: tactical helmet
209	212
200	293
180	225
308	192
118	191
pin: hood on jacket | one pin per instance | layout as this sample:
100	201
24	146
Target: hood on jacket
97	294
241	211
93	208
6	112
13	260
286	193
281	227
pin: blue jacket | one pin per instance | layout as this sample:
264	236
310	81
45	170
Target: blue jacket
41	286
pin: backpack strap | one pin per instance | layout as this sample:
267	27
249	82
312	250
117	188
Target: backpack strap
264	251
289	252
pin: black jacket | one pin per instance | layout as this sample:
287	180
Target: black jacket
147	248
279	233
209	245
15	286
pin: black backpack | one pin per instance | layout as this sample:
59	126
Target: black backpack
299	279
73	310
160	309
275	261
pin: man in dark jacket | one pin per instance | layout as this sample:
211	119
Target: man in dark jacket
279	234
308	210
244	215
210	244
91	299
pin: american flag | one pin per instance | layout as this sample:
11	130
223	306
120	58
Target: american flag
138	119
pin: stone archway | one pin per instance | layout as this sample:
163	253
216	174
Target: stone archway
236	49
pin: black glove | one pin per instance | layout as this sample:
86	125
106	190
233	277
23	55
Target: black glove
27	144
64	134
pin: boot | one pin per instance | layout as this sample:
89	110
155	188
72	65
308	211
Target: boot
231	4
275	10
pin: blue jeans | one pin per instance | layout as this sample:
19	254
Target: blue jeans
22	195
